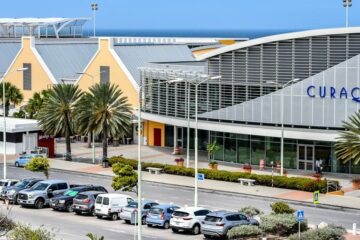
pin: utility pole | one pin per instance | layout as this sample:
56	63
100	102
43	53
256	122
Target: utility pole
94	8
347	4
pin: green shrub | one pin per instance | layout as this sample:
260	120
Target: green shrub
94	237
6	224
250	211
244	231
297	183
281	208
330	232
39	164
25	232
281	224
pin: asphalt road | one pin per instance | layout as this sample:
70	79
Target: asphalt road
70	226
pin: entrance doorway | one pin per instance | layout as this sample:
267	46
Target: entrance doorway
306	157
157	137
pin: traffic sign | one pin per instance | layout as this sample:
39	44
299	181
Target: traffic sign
201	177
300	216
316	197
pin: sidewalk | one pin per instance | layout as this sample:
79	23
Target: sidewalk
236	188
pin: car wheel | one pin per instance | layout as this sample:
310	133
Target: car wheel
78	213
92	213
143	220
127	221
39	203
114	216
175	230
15	201
207	236
69	207
166	225
195	229
17	164
149	225
100	217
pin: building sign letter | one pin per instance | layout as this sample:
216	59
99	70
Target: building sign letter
308	91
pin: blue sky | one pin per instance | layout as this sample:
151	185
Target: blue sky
193	14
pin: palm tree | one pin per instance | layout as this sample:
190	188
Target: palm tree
35	103
348	143
56	115
12	96
104	110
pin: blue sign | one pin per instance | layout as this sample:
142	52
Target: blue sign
201	177
300	216
333	93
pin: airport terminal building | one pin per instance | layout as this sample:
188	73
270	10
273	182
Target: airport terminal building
242	110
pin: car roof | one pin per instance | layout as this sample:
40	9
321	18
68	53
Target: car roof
53	181
166	205
32	179
146	201
190	209
220	213
91	192
114	195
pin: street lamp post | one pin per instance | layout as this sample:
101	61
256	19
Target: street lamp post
93	133
4	116
282	121
196	83
94	8
347	4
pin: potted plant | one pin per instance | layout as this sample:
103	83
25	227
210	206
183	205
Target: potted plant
247	168
179	162
212	148
355	182
213	165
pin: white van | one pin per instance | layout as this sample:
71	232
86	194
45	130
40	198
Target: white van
110	204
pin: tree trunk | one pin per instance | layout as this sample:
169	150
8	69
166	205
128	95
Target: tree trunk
104	158
68	147
89	140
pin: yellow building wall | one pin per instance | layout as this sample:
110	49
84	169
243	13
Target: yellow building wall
117	75
197	53
39	78
149	132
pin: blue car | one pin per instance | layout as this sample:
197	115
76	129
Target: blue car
160	215
24	159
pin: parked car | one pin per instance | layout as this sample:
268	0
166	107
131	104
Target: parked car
40	194
22	160
129	212
220	222
4	183
160	215
84	202
64	202
11	193
109	205
188	219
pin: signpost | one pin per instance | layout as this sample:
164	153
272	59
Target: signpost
300	218
201	177
316	197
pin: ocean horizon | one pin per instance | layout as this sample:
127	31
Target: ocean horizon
187	33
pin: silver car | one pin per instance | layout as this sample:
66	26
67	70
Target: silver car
218	223
129	213
5	183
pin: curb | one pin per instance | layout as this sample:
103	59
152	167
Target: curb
228	193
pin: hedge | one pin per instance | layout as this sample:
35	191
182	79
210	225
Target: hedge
296	183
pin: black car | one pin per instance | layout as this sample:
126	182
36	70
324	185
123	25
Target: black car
64	202
84	203
11	193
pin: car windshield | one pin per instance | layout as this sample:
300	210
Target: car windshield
71	193
213	219
39	186
132	205
180	214
99	200
81	197
2	183
156	211
22	184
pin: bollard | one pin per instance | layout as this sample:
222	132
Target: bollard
354	229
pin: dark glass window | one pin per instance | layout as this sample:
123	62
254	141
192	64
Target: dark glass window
27	76
104	74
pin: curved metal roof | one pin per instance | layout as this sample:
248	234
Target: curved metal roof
279	37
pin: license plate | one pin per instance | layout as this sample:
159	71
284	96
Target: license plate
98	210
53	205
77	207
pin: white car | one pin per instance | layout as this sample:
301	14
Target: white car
188	219
109	205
